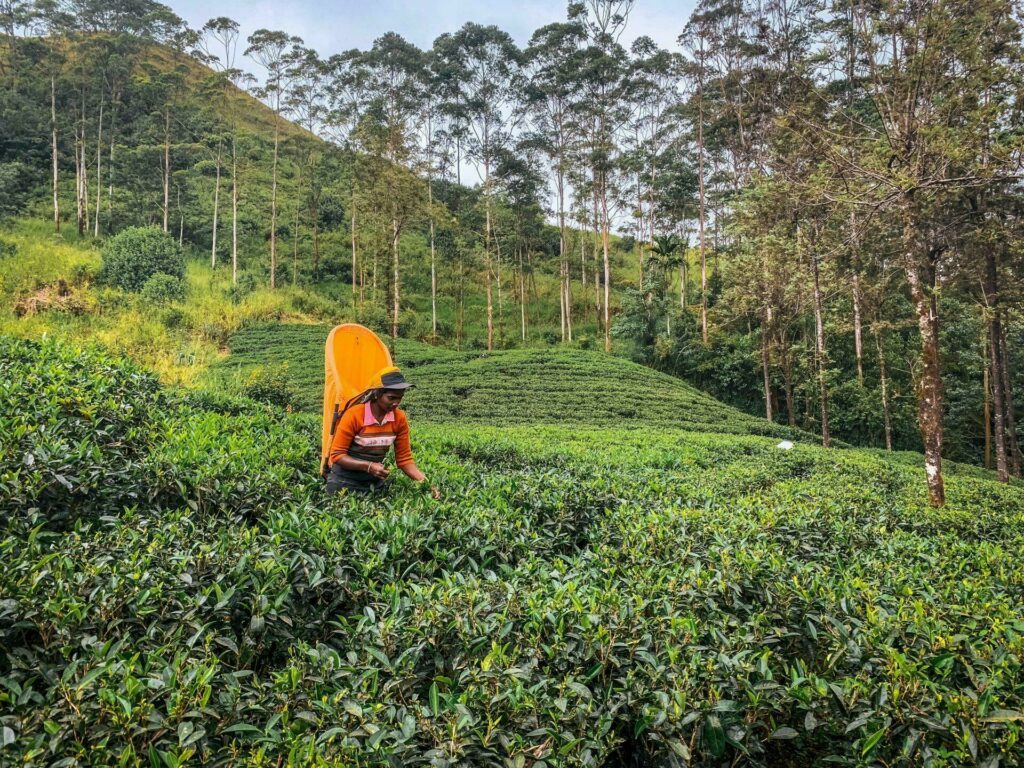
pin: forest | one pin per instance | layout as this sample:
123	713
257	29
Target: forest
810	210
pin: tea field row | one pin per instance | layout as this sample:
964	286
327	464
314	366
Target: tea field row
177	589
504	387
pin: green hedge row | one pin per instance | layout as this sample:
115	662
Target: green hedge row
579	597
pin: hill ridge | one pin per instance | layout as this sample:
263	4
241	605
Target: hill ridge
502	387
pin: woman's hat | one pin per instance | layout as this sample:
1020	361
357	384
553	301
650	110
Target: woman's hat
390	378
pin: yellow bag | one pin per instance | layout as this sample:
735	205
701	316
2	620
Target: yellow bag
352	357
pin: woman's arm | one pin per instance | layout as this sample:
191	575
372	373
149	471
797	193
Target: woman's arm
413	472
403	455
374	468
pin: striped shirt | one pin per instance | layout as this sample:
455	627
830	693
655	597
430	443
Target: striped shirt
361	435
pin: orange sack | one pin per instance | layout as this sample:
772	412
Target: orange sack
353	356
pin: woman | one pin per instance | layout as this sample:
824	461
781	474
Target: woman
365	434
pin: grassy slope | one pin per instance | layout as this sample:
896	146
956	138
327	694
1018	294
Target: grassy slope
506	387
178	341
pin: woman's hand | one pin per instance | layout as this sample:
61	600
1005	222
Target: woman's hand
377	470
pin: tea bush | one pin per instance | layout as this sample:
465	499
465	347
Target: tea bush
134	255
551	386
580	596
163	289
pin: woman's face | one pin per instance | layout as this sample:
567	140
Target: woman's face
390	399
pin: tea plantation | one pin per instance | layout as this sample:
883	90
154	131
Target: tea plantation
177	590
506	387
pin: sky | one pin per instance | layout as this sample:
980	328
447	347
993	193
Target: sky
331	26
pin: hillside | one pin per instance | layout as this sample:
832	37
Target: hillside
177	589
505	387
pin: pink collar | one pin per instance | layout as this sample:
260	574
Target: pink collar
369	418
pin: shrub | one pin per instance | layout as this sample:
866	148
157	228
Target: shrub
162	288
267	385
135	254
247	283
315	304
172	317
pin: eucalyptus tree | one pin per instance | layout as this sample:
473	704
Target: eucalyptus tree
484	64
394	90
550	93
270	49
696	40
520	179
432	73
605	109
656	80
306	103
346	95
53	21
219	42
940	104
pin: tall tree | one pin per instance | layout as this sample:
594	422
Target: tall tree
550	93
607	109
270	49
394	89
485	63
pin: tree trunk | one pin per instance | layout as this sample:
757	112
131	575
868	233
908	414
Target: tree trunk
80	177
563	259
115	97
819	346
352	226
273	198
99	170
460	310
167	167
497	281
858	346
583	273
433	264
487	255
234	213
766	364
522	295
394	255
787	376
996	363
884	383
597	263
561	298
216	208
986	389
702	212
607	264
929	388
1013	447
53	148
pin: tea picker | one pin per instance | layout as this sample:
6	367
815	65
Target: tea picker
361	417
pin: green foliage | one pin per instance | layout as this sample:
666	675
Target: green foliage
269	385
16	181
579	597
136	254
7	249
551	386
162	288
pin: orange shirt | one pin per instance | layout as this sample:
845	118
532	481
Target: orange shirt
358	432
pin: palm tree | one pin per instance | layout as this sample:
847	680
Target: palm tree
663	257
